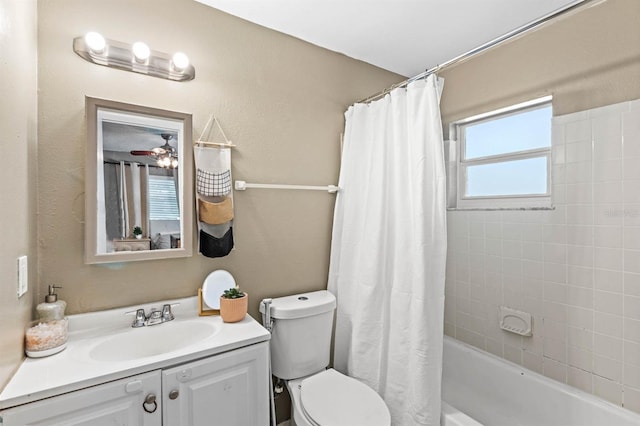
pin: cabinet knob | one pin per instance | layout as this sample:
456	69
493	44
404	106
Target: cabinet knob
174	394
150	400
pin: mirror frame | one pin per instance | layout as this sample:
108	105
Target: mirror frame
185	176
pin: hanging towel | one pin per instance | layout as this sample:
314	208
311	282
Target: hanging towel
214	200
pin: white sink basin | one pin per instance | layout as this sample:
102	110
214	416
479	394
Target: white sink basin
152	340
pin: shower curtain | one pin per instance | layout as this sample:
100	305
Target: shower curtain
388	251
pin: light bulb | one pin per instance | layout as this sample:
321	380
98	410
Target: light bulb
180	61
174	163
140	51
95	41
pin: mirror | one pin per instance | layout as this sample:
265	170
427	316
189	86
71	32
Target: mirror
138	185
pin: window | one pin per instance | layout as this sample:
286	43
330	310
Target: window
163	202
504	157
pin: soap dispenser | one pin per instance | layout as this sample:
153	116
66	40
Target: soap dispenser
52	309
48	335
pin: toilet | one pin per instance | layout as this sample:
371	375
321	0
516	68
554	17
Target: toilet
301	327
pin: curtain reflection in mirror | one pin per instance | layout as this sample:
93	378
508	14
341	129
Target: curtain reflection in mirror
145	196
126	200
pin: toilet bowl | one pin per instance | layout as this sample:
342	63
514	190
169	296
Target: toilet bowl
300	326
330	398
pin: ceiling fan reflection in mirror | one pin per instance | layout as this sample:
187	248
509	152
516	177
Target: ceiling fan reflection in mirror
166	156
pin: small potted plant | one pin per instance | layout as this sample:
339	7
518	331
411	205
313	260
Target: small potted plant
137	232
233	305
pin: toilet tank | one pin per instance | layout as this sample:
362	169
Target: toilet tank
301	334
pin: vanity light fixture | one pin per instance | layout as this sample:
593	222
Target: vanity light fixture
138	57
179	61
95	42
141	52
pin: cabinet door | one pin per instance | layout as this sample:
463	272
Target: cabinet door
115	403
231	389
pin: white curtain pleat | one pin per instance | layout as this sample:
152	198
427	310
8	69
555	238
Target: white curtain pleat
136	194
176	180
388	251
144	202
101	215
124	202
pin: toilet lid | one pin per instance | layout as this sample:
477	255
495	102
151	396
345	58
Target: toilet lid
331	398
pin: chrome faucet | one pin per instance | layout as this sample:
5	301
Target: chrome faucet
155	316
167	315
140	318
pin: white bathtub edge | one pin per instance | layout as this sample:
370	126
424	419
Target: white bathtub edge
451	416
620	412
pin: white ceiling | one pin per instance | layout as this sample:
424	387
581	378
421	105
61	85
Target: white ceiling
404	36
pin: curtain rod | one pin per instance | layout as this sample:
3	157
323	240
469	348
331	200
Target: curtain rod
506	37
117	163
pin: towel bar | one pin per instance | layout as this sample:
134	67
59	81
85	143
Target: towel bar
241	185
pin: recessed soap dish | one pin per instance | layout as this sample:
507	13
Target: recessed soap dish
515	321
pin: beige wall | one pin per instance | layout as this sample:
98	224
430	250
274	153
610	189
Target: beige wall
18	47
574	268
279	99
587	59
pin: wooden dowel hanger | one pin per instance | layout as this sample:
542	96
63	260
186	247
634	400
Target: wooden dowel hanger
211	126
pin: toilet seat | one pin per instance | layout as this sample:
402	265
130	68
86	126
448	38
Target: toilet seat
330	398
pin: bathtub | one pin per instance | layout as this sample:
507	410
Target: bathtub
481	389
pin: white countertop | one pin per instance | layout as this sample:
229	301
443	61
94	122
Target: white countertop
74	369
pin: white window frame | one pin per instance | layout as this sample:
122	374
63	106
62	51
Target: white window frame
457	156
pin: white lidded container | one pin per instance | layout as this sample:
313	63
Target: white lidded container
301	334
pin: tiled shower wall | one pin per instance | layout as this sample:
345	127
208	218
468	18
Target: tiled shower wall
575	268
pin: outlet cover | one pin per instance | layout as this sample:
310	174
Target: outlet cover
23	278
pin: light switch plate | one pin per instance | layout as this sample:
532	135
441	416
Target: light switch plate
23	278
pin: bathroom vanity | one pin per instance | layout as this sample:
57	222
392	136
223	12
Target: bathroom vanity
189	371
